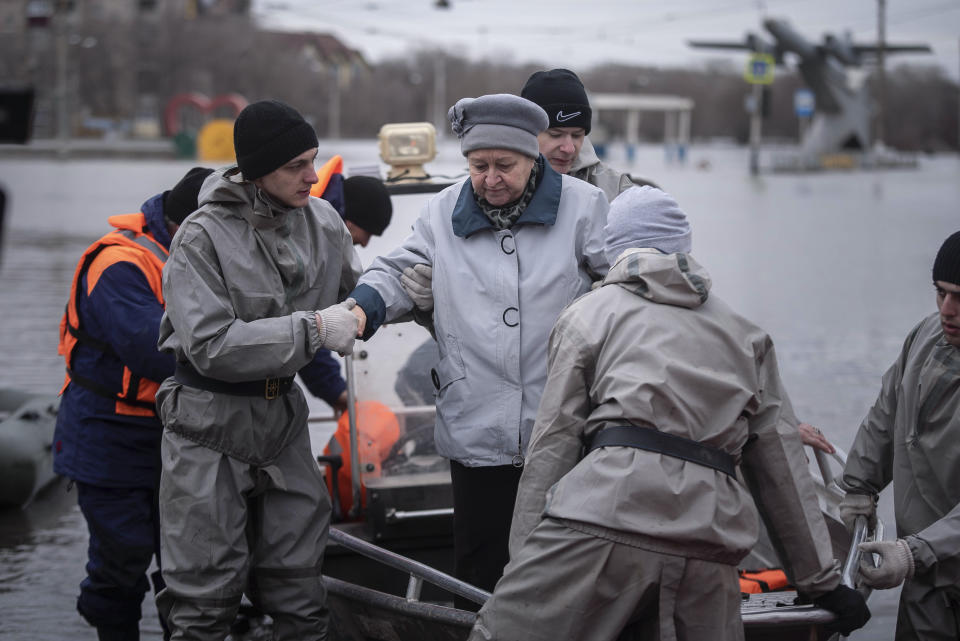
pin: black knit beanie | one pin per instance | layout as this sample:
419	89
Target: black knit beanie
268	134
946	267
367	203
562	96
181	201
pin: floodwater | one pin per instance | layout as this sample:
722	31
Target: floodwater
836	266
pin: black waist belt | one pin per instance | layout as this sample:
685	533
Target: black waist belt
653	440
268	388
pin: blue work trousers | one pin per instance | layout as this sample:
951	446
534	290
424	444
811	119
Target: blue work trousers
124	529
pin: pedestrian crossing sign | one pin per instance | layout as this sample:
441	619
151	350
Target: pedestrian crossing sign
759	70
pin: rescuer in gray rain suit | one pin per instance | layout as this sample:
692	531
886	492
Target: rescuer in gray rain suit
909	438
243	507
629	510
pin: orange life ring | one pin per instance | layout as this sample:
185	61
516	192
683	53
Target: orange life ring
377	431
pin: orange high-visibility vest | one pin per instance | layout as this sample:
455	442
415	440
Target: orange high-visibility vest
757	581
132	243
331	167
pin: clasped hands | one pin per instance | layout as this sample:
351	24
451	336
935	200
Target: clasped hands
339	325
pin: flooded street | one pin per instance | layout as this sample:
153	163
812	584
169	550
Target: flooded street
836	267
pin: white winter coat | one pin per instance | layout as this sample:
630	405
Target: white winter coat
496	297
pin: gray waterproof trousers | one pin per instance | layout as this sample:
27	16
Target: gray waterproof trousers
566	584
927	613
228	527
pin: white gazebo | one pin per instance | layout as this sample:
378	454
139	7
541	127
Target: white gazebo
676	111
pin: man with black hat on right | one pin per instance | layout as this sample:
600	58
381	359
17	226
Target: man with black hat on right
909	437
252	290
564	143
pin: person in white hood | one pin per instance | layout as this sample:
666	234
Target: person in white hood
629	511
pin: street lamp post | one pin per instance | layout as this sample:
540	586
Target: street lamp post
881	71
60	17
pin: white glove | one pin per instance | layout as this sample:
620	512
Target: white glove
417	281
338	327
896	564
853	505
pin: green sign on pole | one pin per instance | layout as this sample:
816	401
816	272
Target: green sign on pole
759	69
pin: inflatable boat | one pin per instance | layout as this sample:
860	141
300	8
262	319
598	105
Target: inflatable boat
27	422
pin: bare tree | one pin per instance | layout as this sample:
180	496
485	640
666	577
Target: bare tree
115	66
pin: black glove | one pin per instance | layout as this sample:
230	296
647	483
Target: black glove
849	606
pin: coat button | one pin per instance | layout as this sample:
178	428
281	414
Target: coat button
514	315
508	247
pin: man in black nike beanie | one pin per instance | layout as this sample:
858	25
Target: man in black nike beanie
564	142
562	96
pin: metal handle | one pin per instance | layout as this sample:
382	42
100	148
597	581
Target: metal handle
393	515
355	472
823	462
414	568
849	575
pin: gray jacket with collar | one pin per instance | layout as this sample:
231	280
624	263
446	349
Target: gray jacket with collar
496	297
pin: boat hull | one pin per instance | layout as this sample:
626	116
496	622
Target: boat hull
26	437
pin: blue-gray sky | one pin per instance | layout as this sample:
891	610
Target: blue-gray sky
584	33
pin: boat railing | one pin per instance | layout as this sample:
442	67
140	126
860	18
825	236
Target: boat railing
418	572
811	614
848	575
861	530
823	463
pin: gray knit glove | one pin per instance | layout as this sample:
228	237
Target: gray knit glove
417	281
853	505
896	564
338	327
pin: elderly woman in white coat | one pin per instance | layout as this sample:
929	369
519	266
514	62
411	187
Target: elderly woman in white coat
507	250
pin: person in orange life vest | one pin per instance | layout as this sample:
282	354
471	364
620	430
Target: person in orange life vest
364	204
107	438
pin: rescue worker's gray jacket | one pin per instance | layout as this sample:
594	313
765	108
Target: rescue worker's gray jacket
588	167
241	286
496	296
650	349
910	437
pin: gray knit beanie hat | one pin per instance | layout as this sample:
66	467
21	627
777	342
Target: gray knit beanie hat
646	217
498	121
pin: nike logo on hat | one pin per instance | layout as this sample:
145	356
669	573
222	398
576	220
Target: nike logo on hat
562	117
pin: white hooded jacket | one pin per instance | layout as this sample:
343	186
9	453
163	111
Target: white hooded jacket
651	348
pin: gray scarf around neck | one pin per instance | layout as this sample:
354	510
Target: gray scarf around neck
505	216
